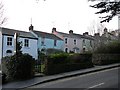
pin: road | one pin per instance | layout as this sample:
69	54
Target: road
102	79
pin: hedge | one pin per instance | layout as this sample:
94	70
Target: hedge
103	59
59	63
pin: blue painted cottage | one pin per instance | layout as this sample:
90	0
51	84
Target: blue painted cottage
47	40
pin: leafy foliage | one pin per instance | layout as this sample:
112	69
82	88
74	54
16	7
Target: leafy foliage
59	63
20	68
112	47
110	7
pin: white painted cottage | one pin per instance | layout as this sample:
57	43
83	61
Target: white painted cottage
7	45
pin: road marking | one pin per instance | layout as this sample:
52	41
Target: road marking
94	86
97	85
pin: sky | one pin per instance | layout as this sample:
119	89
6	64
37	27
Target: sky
65	15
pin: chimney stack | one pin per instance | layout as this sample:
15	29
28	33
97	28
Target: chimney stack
31	27
53	29
85	34
97	34
105	30
71	32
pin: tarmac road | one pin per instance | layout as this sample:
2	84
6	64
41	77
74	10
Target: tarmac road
102	79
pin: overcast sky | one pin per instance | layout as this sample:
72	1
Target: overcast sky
62	14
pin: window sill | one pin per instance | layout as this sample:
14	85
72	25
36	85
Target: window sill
27	47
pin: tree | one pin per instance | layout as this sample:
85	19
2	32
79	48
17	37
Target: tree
2	18
111	7
96	27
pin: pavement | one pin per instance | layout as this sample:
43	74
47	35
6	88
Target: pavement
44	79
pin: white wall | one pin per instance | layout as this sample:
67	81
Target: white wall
0	46
32	49
118	21
70	45
5	47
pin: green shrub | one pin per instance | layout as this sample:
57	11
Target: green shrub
110	48
19	67
59	63
103	59
58	58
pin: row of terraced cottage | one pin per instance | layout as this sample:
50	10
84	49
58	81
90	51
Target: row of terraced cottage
34	41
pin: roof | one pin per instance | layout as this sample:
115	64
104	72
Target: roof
46	35
74	35
11	32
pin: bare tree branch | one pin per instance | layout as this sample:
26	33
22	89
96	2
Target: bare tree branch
2	18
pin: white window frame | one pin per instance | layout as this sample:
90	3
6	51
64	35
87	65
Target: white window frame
26	42
66	40
9	41
75	41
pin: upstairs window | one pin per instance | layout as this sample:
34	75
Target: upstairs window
26	43
74	42
55	42
65	40
42	41
9	41
83	42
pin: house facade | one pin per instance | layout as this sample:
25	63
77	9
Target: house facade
47	40
7	42
74	42
110	35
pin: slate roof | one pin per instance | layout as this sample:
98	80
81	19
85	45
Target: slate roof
46	35
11	32
74	35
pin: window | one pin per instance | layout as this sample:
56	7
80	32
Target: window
65	40
74	42
55	42
42	41
9	52
9	41
83	42
26	43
